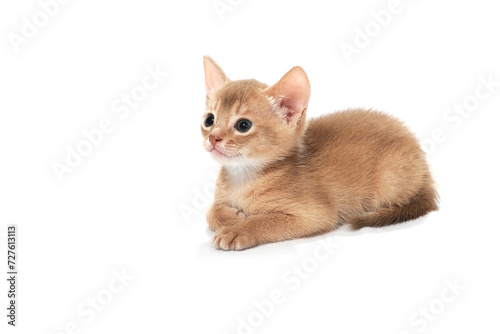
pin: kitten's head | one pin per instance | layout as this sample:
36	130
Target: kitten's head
247	122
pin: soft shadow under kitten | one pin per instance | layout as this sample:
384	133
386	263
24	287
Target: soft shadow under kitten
283	177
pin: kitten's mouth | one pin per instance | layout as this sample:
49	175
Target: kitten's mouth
217	154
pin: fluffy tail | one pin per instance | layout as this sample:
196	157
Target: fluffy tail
422	203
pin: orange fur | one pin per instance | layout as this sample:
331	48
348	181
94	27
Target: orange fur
287	178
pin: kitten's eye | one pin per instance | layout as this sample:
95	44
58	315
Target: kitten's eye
243	125
209	120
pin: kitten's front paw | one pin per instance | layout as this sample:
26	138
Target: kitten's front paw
233	238
224	216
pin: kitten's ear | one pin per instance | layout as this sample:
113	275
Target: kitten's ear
290	95
214	76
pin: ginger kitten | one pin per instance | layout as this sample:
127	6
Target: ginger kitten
283	177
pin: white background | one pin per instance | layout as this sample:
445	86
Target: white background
120	209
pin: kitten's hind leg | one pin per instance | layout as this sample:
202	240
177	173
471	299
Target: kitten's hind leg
422	203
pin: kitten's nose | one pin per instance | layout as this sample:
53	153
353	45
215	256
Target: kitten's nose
214	139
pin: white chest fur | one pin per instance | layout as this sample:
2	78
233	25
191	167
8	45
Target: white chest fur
239	178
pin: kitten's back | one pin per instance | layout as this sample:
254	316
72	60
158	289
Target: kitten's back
370	160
